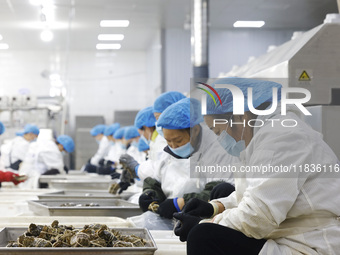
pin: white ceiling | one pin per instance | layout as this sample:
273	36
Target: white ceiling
20	23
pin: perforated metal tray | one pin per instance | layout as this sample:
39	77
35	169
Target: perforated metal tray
11	234
107	207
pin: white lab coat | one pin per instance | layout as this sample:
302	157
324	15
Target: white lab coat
297	215
19	149
174	174
114	152
139	156
41	156
103	149
157	147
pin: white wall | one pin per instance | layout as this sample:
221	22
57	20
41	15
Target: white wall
226	48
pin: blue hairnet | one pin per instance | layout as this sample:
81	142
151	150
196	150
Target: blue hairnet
145	117
119	134
142	145
29	128
2	128
110	130
96	130
166	99
262	92
131	132
67	142
185	113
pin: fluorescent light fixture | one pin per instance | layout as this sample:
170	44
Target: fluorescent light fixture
113	46
1	37
110	37
242	23
114	23
4	46
46	35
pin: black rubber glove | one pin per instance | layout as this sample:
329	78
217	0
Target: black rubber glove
129	163
167	208
146	199
90	168
66	169
223	189
197	207
115	175
123	186
16	165
185	224
101	162
52	171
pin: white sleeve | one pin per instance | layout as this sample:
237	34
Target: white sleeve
19	150
101	152
152	168
52	159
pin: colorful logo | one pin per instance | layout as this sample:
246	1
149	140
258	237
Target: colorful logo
209	93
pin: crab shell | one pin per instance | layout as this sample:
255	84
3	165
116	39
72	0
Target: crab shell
80	240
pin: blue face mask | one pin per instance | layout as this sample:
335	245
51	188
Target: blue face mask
184	151
111	143
63	153
159	130
135	144
123	146
230	145
145	140
98	141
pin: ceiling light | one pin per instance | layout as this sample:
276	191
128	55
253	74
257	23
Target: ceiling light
110	37
4	46
114	46
1	37
46	35
241	23
114	23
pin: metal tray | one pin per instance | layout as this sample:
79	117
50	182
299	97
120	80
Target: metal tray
11	234
84	194
91	184
107	207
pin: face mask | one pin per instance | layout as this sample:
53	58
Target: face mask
135	144
123	146
98	141
184	151
159	130
112	143
230	145
63	153
144	139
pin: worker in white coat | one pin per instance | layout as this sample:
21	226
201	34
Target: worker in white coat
189	142
45	157
274	212
107	166
14	151
131	138
103	148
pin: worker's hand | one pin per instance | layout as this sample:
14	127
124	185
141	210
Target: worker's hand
197	207
223	189
129	163
123	186
184	225
102	162
11	177
115	175
146	199
167	208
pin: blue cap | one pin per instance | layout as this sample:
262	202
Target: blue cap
110	130
166	99
29	128
186	113
142	145
145	117
131	132
119	134
67	142
262	92
96	130
2	128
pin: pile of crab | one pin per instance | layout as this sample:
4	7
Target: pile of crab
94	235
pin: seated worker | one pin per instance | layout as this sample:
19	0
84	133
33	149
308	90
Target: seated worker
188	140
279	212
106	166
158	142
98	133
143	147
14	151
131	138
45	157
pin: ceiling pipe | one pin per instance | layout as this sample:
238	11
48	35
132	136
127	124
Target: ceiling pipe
200	38
338	1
